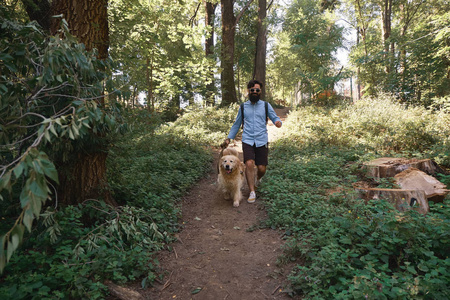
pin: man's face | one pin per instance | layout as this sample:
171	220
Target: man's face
254	93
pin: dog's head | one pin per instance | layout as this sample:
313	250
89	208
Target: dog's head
229	163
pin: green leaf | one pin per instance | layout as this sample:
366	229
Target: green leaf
9	251
345	240
4	181
18	169
28	219
47	136
411	269
49	169
196	290
52	129
71	134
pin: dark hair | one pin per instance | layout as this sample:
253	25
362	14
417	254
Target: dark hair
252	83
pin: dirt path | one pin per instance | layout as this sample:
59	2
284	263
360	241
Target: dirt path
221	253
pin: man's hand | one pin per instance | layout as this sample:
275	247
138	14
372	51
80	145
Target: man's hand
278	124
225	143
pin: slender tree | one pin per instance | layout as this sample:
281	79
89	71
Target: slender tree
229	22
209	47
261	45
386	15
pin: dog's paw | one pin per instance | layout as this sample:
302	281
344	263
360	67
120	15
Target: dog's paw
236	204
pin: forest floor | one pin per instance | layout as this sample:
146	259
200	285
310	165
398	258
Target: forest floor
221	251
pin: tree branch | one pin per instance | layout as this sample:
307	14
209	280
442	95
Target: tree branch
191	20
242	12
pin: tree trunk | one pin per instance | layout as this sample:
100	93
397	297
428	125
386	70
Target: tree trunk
362	30
88	21
149	80
259	72
227	56
386	12
209	49
84	177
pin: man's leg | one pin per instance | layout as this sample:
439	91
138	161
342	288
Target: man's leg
250	174
261	161
261	171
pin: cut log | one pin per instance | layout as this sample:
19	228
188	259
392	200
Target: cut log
390	166
415	179
122	292
402	199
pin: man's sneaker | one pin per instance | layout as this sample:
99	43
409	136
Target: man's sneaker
251	197
258	182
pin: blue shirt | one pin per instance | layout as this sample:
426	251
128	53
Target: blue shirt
255	129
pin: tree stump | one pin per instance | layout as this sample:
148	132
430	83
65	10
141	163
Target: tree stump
402	199
415	179
390	166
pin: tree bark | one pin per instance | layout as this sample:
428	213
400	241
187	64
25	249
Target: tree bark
363	25
88	21
209	48
227	54
386	13
229	22
259	72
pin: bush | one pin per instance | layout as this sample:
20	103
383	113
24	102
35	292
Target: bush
204	126
377	125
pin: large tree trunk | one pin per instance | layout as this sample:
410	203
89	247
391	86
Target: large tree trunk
227	56
88	21
84	177
209	48
261	46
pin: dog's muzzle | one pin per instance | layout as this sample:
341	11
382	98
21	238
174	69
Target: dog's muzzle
228	169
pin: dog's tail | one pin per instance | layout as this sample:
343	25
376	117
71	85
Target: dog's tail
220	155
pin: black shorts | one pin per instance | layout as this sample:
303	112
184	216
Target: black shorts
258	154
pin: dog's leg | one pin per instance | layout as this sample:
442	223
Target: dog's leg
237	197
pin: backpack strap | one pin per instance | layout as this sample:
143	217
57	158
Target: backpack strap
242	112
266	107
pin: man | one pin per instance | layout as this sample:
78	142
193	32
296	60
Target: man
254	137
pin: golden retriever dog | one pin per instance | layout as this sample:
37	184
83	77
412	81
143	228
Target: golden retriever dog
231	176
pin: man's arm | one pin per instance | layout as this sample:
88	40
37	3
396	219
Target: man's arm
273	117
234	129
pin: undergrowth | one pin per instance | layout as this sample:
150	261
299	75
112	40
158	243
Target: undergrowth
73	249
343	247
